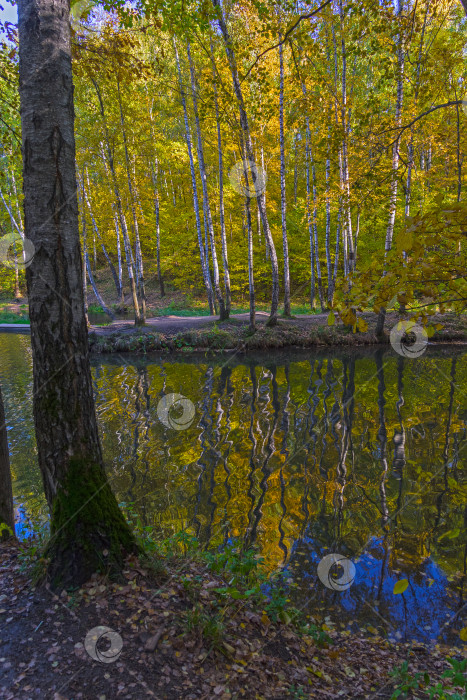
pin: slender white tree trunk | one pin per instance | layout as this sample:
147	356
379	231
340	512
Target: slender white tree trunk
308	213
87	201
204	184
155	173
138	253
328	221
109	161
410	163
395	154
225	259
315	231
119	259
251	157
204	262
251	279
285	243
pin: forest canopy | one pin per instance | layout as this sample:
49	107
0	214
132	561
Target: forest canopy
356	125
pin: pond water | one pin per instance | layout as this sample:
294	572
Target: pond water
360	454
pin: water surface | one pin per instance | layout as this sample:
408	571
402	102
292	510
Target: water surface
358	453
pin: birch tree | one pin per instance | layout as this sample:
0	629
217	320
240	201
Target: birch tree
204	262
251	157
395	151
87	527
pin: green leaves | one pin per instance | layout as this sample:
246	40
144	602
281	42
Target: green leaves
400	586
451	534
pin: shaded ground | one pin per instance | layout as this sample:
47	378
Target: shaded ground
171	648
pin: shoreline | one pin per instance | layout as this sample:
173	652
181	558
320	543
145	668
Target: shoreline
182	334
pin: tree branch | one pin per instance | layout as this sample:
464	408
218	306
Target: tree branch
287	34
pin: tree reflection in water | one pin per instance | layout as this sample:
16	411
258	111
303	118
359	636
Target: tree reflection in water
300	456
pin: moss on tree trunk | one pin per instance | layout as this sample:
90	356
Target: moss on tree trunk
88	530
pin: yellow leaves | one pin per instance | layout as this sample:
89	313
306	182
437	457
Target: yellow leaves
402	298
265	619
463	634
348	317
400	586
361	325
404	240
331	319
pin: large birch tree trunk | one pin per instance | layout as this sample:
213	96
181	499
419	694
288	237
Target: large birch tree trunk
88	531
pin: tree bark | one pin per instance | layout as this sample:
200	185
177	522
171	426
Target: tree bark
315	231
88	531
7	517
410	162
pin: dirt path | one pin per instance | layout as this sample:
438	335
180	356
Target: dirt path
175	324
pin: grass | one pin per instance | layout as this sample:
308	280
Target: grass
11	317
243	571
455	677
186	308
